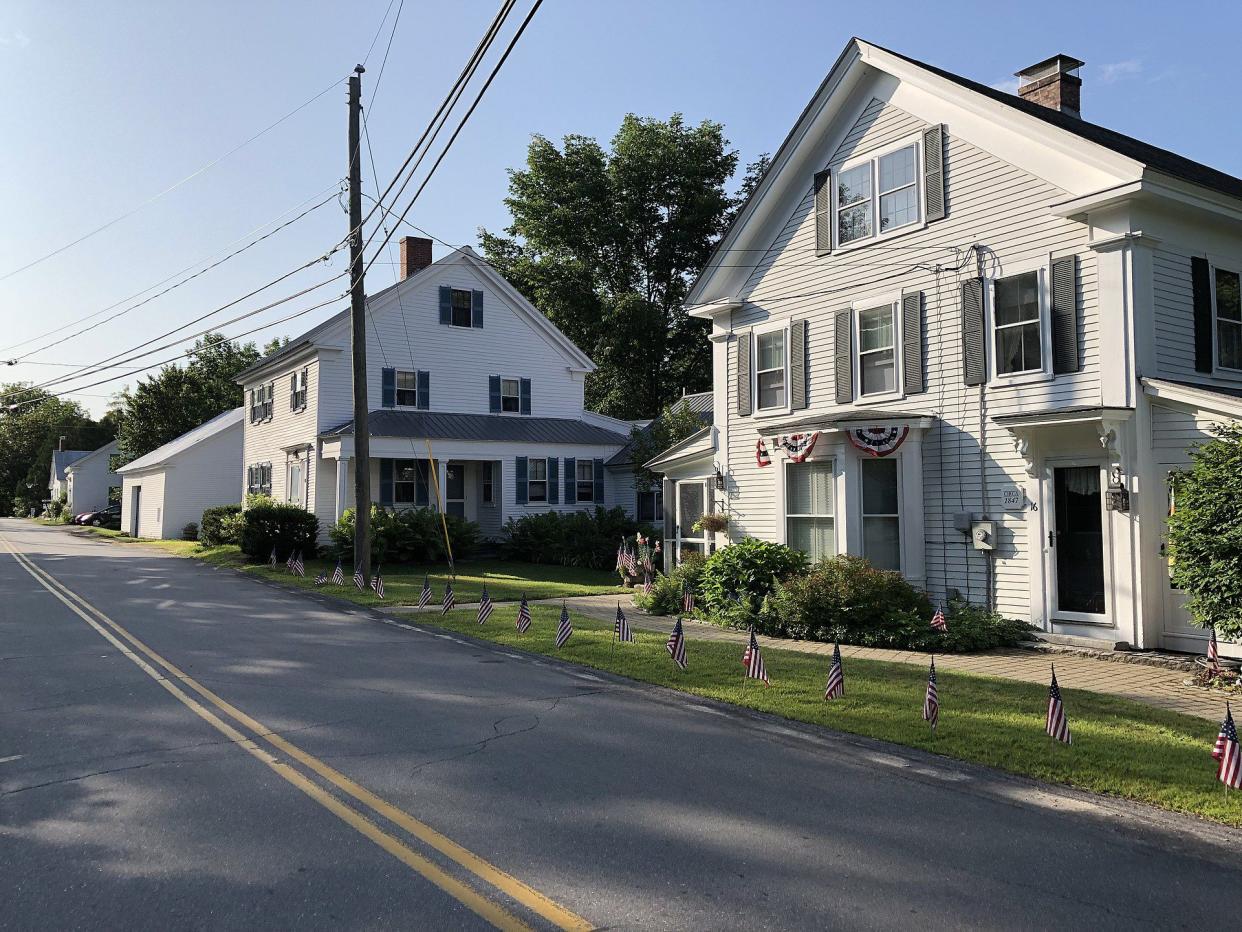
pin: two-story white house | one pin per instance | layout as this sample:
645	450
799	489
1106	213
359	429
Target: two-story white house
92	481
463	372
967	334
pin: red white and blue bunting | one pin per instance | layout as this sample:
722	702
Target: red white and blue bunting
795	446
878	441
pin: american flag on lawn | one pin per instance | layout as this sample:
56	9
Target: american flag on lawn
523	618
687	599
931	703
836	678
377	583
289	561
322	578
1229	772
360	581
621	555
272	560
621	627
938	621
298	567
1057	725
485	606
338	574
1213	653
564	629
1219	750
449	599
676	645
648	586
424	597
753	661
631	561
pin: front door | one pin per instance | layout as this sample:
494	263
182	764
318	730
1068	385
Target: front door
1078	544
455	489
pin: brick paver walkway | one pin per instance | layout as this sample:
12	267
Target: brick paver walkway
1155	686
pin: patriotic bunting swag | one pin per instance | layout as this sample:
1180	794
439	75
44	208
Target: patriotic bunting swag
523	618
564	629
676	645
485	606
878	441
836	679
1057	725
761	454
931	702
795	446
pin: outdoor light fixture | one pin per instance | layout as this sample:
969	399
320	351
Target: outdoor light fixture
1117	496
720	479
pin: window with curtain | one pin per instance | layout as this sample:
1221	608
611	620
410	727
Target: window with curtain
1016	323
810	508
877	351
881	519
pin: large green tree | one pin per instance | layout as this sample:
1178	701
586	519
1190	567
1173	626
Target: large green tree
180	398
606	242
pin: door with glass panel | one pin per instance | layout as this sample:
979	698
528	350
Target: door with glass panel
691	503
1077	542
810	524
881	512
455	489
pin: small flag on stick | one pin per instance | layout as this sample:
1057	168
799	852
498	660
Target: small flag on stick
322	578
298	567
360	581
424	597
753	661
676	645
564	629
621	627
1229	772
289	562
485	606
938	621
449	599
621	555
687	599
836	679
338	574
931	703
1213	653
523	618
272	560
377	583
1057	725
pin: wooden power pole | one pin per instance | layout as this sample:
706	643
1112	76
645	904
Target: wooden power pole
358	308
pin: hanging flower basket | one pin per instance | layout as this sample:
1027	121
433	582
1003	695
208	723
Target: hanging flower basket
712	523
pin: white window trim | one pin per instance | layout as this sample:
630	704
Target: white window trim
898	458
301	388
396	389
510	378
529	479
1043	268
893	301
834	460
1219	371
874	157
1047	493
784	406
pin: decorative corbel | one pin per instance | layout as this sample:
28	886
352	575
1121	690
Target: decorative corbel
1106	430
1022	446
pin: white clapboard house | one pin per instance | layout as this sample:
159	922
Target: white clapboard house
462	371
967	334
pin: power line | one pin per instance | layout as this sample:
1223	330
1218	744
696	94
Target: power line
155	197
379	29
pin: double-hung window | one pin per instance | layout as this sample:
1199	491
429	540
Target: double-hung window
461	308
1228	320
878	194
881	513
809	509
651	504
585	480
407	389
1017	324
537	480
297	390
898	188
408	476
510	396
877	350
771	370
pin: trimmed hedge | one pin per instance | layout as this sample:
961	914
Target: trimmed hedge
285	528
219	526
574	538
410	535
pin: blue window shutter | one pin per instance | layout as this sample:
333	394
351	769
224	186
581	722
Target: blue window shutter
385	482
446	304
599	481
422	497
520	479
554	497
476	309
493	394
424	389
571	477
524	391
388	388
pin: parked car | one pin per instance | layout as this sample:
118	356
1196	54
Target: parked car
109	517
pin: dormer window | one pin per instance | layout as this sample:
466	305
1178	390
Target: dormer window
884	186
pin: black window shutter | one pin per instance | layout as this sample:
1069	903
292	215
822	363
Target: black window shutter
519	472
424	389
422	494
1065	314
476	309
597	465
912	342
744	407
933	173
493	393
571	480
524	396
385	481
388	388
974	354
797	365
823	213
670	529
554	494
1201	289
293	392
843	356
446	304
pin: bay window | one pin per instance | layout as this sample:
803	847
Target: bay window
881	513
809	509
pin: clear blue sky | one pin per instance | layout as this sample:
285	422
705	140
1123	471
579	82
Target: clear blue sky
105	105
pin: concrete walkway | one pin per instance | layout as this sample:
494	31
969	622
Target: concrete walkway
1154	686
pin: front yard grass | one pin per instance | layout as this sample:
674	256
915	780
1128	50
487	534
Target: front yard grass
1120	748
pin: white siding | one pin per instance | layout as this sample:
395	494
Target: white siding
267	441
90	479
151	504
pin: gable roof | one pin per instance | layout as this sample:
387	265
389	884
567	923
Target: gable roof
463	255
700	403
63	459
108	448
161	455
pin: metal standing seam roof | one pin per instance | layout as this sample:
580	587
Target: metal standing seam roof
700	403
161	455
496	428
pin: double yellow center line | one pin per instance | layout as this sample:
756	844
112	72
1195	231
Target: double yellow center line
256	743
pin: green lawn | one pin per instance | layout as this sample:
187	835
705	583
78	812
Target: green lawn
1120	747
229	554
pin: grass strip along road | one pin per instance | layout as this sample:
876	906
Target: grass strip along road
1120	747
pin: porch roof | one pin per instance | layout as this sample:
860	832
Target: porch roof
496	428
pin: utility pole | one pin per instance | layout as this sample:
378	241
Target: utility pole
358	303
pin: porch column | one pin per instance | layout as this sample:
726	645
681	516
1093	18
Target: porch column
342	485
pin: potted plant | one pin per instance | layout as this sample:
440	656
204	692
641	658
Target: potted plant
712	523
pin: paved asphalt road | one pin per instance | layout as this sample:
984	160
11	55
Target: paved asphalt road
295	768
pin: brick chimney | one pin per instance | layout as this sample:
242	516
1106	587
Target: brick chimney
415	255
1053	83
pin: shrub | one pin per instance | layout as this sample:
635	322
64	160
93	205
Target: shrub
414	535
745	573
190	532
218	526
58	508
576	538
285	528
665	598
845	598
